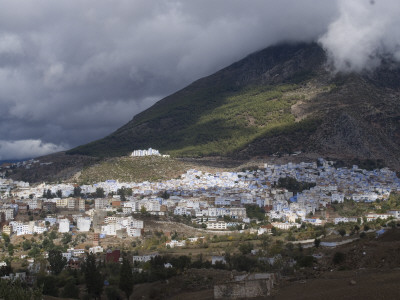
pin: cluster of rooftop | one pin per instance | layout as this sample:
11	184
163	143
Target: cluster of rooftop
206	196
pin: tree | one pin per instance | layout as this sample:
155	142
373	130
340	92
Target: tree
126	278
67	238
305	261
47	244
59	193
342	232
71	290
99	193
122	193
53	235
26	245
5	237
93	278
34	252
16	290
5	270
317	242
57	261
246	248
112	293
77	191
49	284
253	211
265	241
10	249
293	185
164	195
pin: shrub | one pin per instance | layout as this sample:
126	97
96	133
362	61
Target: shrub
338	258
305	261
246	248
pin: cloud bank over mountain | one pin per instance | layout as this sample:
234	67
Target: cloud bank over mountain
364	33
26	149
72	72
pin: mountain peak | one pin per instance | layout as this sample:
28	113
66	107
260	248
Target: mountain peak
280	99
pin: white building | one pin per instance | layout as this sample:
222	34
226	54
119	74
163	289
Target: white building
76	252
81	204
100	203
147	152
127	210
175	243
285	226
152	205
144	258
34	204
133	232
336	197
137	224
39	228
345	220
373	217
221	225
395	213
63	225
96	249
24	229
67	255
83	224
109	229
72	203
8	213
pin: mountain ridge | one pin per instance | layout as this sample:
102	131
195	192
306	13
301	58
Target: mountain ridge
280	99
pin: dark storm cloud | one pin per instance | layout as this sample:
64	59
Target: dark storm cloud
74	71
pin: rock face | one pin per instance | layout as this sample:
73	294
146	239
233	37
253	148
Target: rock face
246	286
288	101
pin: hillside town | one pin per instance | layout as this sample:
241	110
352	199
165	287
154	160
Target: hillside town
204	197
97	219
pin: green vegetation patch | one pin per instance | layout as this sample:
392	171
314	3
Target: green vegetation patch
393	203
350	208
129	169
292	185
240	119
253	211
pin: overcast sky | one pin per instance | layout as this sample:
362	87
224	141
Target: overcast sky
74	71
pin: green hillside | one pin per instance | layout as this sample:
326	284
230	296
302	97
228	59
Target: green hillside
281	99
219	114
